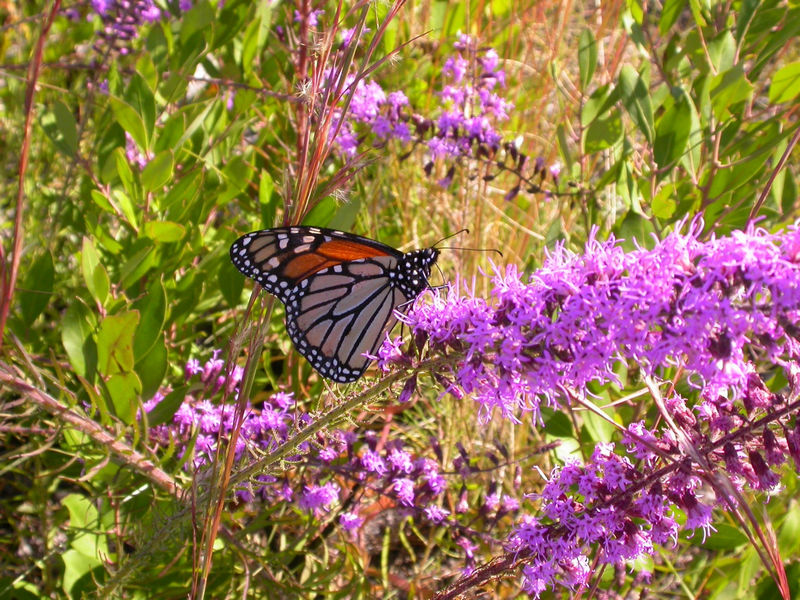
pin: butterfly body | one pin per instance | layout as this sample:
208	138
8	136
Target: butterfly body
340	290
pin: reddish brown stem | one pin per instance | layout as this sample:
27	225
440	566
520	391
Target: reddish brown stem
9	279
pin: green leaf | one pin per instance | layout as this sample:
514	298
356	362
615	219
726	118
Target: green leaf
164	410
152	368
744	18
158	171
87	548
152	308
663	205
722	51
455	19
94	273
236	174
201	17
101	201
599	429
183	193
195	124
779	32
728	89
77	326
84	521
785	84
636	11
81	574
115	343
789	533
587	58
36	288
170	133
264	17
250	47
127	207
130	121
231	283
557	423
726	537
139	263
146	68
164	231
564	144
124	172
140	97
634	226
321	213
59	125
670	12
603	132
123	390
636	100
346	214
672	132
692	159
599	103
19	590
268	200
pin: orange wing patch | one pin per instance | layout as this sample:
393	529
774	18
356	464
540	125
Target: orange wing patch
347	250
327	254
303	265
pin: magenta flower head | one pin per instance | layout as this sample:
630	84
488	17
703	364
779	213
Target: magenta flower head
685	301
713	307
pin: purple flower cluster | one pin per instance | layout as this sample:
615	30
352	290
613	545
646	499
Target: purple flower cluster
200	419
704	306
368	471
590	505
121	21
707	308
338	465
391	471
135	156
372	107
470	103
470	107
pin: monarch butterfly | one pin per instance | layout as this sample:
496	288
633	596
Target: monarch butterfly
340	290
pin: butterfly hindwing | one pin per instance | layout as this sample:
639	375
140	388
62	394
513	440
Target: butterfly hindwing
334	317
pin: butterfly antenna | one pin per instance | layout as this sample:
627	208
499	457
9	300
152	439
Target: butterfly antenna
447	237
438	268
471	249
459	232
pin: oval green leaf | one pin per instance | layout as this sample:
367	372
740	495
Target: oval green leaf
785	84
36	288
115	343
94	273
158	171
164	231
152	309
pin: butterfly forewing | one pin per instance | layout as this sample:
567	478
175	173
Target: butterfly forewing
340	290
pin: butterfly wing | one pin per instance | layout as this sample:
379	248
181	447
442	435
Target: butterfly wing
337	288
342	313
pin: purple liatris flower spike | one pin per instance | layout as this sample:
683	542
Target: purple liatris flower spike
686	301
121	21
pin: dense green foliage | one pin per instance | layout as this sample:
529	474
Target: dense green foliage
655	113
